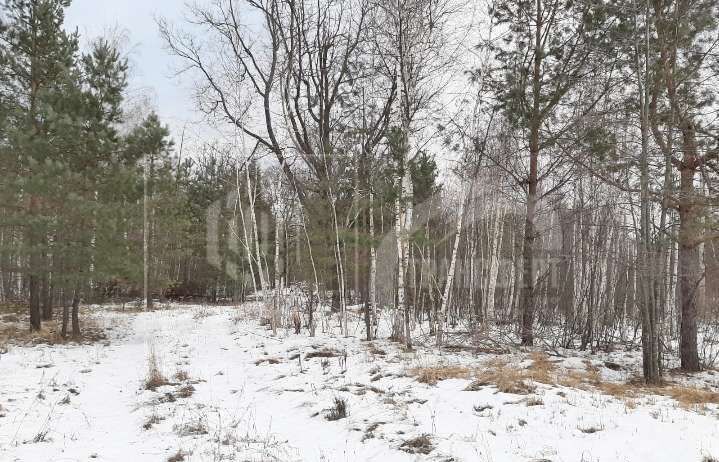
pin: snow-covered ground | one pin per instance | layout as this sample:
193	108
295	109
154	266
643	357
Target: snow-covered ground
244	395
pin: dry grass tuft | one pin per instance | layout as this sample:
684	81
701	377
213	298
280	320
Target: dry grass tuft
590	430
534	401
179	456
419	445
151	420
542	370
432	375
181	376
155	378
186	391
197	427
505	378
338	410
374	350
267	360
323	353
690	397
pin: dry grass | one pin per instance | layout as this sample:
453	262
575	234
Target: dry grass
179	456
534	401
506	378
151	420
197	427
375	350
690	397
267	360
154	378
338	410
419	445
323	353
181	376
542	370
186	391
432	375
15	327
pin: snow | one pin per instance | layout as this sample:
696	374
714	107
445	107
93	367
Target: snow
88	402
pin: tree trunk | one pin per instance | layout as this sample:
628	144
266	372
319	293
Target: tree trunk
145	236
47	294
528	296
372	304
76	314
651	359
34	287
442	319
689	267
65	315
530	234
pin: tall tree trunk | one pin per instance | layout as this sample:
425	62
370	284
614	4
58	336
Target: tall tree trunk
145	235
278	278
372	303
528	295
65	314
47	294
649	309
690	275
76	313
528	248
442	319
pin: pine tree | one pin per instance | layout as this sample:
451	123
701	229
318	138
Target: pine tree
38	58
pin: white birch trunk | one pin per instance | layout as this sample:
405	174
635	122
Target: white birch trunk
450	276
372	260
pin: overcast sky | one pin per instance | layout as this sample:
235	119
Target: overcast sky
152	67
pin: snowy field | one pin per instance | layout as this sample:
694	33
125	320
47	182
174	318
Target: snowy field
225	389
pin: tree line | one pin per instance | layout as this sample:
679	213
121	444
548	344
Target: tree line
541	169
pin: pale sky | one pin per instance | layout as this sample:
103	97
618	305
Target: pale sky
152	67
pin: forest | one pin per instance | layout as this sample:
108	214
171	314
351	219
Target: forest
508	175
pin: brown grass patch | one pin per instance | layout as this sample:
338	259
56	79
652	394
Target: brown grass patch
19	333
542	370
505	378
432	375
689	397
267	360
